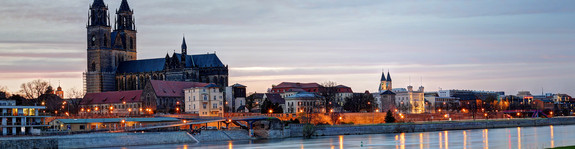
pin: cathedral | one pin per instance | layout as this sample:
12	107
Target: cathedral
112	56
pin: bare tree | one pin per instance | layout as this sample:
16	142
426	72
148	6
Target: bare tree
5	90
328	91
75	96
34	89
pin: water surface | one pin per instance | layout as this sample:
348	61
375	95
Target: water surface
500	138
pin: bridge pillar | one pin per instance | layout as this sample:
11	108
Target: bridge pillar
251	128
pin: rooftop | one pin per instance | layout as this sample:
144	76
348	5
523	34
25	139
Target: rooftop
112	97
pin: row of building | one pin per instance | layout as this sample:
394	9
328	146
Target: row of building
120	84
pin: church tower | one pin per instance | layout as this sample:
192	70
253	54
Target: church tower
99	69
385	84
382	83
124	35
388	81
184	52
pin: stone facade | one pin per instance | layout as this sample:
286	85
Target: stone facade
112	57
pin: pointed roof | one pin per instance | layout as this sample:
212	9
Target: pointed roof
382	76
388	77
98	4
124	6
184	46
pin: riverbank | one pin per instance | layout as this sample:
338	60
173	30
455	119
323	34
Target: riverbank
101	140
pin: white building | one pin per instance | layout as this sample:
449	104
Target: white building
410	101
21	120
204	100
304	102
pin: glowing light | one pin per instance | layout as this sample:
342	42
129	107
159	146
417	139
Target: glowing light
124	102
421	140
341	142
464	140
271	111
446	139
519	137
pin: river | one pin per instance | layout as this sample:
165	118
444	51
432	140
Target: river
500	138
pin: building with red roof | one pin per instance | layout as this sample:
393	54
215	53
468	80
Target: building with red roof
286	86
112	103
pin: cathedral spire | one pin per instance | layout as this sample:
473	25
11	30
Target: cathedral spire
98	14
124	19
184	52
184	46
383	76
388	77
124	6
98	4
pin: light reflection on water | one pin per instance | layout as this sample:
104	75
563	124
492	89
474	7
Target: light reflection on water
519	137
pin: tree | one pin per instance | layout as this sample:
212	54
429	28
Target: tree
268	105
360	102
33	89
328	91
18	98
4	89
334	116
389	117
75	96
250	103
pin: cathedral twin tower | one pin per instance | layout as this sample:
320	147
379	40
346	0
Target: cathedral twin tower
106	48
112	57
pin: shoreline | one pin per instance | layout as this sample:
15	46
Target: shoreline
102	140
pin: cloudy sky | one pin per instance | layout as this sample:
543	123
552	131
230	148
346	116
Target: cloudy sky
479	45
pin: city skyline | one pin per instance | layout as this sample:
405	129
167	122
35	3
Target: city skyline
456	45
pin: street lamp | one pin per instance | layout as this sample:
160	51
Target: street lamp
271	111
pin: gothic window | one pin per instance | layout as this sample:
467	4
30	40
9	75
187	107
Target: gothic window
222	81
93	66
131	43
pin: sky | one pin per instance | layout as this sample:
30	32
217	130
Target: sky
495	45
